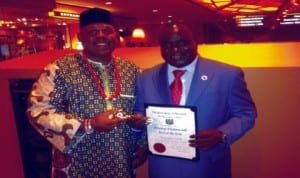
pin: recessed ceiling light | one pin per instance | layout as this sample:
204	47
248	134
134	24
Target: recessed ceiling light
154	10
108	3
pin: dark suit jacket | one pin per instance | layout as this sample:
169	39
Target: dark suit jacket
223	102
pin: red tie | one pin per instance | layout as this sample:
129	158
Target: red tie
176	86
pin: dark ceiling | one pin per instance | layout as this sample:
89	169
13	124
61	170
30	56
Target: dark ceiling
142	10
137	12
190	11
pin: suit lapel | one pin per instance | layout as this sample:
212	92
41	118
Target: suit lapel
203	75
161	81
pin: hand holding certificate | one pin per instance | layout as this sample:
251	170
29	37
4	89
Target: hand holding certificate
170	129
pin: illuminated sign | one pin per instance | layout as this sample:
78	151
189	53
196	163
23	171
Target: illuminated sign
65	15
291	20
249	21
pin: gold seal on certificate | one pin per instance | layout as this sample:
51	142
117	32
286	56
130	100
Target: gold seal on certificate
170	129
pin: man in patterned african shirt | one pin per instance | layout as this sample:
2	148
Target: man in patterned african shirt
84	104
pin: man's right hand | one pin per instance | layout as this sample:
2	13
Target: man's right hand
106	121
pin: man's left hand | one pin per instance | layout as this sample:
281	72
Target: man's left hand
206	139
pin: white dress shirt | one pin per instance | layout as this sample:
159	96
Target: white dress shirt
186	79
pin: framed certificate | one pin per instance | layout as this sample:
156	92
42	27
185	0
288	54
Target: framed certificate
170	129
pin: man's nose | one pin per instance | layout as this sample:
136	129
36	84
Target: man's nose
175	48
100	33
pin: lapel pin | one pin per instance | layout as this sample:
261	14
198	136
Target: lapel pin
204	77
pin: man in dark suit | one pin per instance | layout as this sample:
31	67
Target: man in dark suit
225	110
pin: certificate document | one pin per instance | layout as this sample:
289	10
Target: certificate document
170	129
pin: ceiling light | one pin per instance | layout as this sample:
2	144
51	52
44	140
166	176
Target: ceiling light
229	7
108	3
